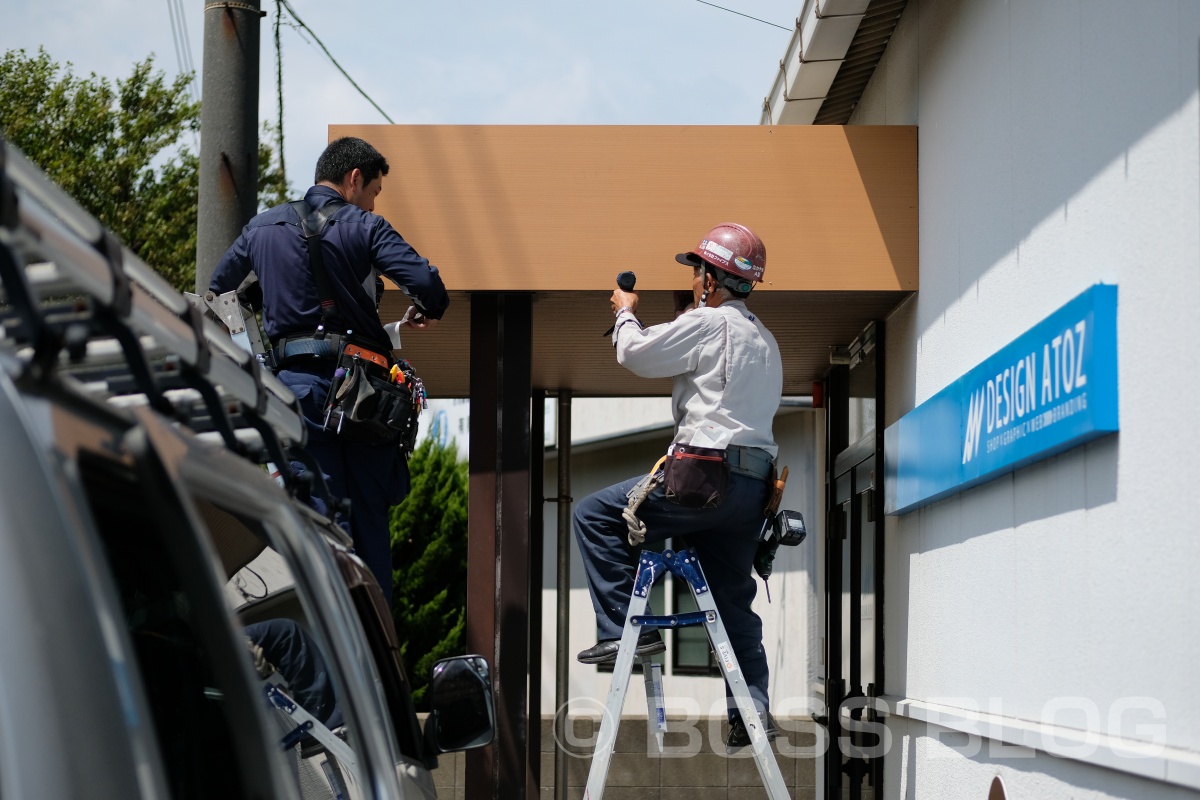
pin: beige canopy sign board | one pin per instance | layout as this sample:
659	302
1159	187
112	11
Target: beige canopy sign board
560	210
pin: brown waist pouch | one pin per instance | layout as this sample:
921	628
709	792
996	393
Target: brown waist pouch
696	477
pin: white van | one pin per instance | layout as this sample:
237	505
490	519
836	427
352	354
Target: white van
132	490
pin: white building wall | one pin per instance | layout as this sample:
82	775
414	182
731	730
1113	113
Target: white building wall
939	762
447	420
1059	147
594	418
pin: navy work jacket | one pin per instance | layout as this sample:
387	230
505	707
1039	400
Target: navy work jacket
356	246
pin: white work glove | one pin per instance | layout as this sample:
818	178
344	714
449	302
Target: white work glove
413	318
393	332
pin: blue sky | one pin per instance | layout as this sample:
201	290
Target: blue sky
456	61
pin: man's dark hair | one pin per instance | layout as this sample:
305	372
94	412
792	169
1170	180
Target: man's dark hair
346	154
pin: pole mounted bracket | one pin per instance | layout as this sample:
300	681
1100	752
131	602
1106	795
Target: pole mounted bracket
236	6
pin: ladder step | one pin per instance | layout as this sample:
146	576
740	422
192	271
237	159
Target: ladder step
671	620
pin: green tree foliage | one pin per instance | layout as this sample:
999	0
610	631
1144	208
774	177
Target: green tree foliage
272	181
429	558
121	151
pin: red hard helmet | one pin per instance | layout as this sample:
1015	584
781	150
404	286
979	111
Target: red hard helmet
731	248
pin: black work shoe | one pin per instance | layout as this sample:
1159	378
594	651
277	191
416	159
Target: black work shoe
605	651
740	737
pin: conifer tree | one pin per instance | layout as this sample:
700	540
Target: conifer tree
429	561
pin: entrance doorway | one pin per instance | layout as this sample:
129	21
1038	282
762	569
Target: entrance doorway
854	570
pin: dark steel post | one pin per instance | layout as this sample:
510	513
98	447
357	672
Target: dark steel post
880	527
837	420
562	659
228	130
537	556
498	532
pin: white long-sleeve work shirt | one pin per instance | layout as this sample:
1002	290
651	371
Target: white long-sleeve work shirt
726	367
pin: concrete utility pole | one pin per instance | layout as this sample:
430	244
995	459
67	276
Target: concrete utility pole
228	130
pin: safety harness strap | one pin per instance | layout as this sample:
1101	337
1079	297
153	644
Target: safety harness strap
313	222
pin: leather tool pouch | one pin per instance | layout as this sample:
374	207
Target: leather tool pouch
367	406
696	477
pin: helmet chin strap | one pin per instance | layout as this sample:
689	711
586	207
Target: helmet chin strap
725	283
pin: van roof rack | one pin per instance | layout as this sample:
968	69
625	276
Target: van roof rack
81	312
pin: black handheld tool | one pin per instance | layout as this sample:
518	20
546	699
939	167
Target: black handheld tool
625	282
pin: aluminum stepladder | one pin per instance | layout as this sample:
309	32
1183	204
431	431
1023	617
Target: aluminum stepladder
686	566
340	768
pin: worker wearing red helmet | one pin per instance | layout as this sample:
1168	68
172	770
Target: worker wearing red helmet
728	379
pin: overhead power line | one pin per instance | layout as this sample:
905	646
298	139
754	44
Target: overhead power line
183	55
279	84
333	60
183	46
747	16
179	59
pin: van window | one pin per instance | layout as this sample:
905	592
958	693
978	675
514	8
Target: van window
183	691
270	605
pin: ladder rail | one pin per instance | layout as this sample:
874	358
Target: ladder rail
686	565
718	637
57	247
83	314
606	738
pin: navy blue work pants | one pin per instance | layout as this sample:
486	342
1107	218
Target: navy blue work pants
373	477
725	539
290	649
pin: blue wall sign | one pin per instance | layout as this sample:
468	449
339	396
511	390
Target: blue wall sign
1051	389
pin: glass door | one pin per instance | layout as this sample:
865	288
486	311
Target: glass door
856	676
853	572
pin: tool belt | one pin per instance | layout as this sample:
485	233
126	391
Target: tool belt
290	351
753	462
373	399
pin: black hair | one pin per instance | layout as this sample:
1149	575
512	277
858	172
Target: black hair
347	154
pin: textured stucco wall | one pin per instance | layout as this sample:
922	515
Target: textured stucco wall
932	762
1058	148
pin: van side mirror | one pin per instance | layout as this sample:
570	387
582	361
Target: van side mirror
463	714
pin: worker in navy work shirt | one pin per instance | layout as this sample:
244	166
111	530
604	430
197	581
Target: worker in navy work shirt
728	379
357	247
